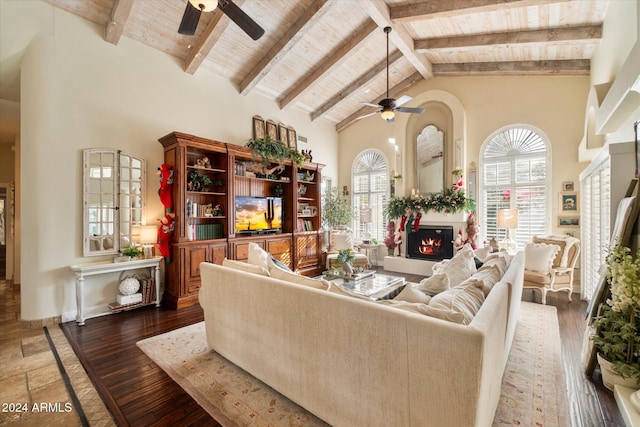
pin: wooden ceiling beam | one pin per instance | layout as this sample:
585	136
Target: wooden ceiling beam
581	33
443	8
354	86
379	12
119	16
571	67
395	92
290	37
208	40
325	66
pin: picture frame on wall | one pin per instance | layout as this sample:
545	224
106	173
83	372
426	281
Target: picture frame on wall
292	138
568	221
272	129
569	202
259	130
283	134
567	186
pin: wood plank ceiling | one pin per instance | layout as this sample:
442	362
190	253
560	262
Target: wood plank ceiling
324	57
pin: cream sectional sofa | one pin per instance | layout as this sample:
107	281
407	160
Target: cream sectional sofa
353	362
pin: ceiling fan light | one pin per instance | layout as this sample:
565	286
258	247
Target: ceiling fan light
204	5
387	115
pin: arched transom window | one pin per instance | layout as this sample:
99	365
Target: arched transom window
370	183
516	174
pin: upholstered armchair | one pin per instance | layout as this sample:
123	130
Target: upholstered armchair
343	239
550	262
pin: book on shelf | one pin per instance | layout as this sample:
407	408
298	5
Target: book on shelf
205	231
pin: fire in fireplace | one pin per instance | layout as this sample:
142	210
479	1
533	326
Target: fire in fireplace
433	243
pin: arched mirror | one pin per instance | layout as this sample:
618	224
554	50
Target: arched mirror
430	160
113	199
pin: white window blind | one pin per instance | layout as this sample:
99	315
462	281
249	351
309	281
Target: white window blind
370	184
514	165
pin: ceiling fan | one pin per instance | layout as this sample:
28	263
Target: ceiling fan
195	8
389	106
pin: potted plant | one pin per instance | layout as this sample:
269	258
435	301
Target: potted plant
132	251
346	258
273	149
617	338
196	182
336	210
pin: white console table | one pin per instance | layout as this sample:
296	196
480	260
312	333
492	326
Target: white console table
97	268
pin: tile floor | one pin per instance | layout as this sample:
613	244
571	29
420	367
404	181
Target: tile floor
32	389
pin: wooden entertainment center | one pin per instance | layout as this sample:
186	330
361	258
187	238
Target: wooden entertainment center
206	218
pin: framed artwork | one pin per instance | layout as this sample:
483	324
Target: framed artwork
569	202
272	129
283	134
292	137
567	186
258	127
568	221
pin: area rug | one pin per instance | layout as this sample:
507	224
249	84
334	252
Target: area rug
533	387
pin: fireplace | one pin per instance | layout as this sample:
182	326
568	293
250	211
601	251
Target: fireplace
430	242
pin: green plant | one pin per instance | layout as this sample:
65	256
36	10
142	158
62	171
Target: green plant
196	182
272	149
131	251
618	330
336	209
345	256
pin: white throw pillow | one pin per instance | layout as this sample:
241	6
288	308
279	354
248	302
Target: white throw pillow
278	273
539	257
342	241
243	266
482	253
258	256
460	267
435	284
411	294
498	260
489	277
465	299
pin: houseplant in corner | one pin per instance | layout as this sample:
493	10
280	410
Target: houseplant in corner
617	338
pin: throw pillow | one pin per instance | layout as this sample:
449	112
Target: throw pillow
411	294
482	253
539	257
497	259
557	260
342	241
276	263
258	256
460	267
291	277
489	277
435	284
243	266
465	299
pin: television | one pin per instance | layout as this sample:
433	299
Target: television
258	214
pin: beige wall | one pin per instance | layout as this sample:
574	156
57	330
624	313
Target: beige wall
78	92
554	105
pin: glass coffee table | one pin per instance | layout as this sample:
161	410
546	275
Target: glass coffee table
368	284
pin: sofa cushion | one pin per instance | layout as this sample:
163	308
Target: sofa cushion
411	294
539	257
537	279
460	267
482	253
489	277
498	259
435	284
291	277
243	266
258	256
465	299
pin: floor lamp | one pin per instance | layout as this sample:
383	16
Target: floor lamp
508	219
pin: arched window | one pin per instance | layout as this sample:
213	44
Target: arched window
370	184
516	174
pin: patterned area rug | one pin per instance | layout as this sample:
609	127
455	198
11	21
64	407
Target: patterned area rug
533	386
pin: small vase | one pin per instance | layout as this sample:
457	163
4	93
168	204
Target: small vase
348	269
390	251
611	377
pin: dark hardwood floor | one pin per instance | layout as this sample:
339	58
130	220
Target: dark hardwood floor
139	393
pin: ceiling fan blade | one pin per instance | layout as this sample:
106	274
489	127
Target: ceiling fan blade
367	115
241	19
370	104
403	100
410	110
190	20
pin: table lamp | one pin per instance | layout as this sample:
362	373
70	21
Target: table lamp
508	219
365	218
148	238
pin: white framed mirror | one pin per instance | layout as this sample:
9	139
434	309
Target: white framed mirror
114	202
430	160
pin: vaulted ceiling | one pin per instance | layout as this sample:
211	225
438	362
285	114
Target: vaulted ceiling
325	57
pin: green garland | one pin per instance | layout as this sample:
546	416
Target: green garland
273	149
448	201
